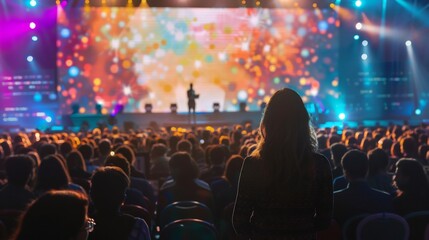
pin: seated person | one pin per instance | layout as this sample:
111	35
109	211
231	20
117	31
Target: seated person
56	215
413	186
109	185
20	169
358	198
185	185
216	162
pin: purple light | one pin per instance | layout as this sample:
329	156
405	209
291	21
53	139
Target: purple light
32	25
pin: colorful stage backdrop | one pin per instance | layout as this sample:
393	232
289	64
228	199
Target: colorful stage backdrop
134	56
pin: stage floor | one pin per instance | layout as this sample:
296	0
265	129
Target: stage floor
126	121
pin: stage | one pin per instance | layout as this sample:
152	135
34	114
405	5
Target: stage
126	121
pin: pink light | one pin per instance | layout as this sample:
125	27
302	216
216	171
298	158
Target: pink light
32	25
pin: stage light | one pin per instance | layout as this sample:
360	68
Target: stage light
418	111
34	38
408	43
356	37
30	58
173	108
48	119
216	107
359	26
364	56
32	25
364	43
358	3
33	3
342	116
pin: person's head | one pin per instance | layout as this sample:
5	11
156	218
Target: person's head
52	174
385	144
56	215
408	147
217	155
337	152
46	150
288	141
233	168
66	148
191	86
19	169
87	151
184	145
127	152
158	150
108	188
75	161
104	147
410	177
172	142
355	165
182	167
119	161
378	161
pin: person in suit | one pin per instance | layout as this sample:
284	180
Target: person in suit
191	98
358	198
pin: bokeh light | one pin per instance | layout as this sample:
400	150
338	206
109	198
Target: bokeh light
32	25
30	58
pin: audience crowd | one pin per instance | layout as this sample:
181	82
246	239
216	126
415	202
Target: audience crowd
107	184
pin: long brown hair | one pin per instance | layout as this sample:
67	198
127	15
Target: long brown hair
287	140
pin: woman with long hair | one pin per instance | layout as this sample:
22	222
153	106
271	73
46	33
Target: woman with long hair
285	187
413	186
56	215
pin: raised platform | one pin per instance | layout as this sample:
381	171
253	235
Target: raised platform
143	120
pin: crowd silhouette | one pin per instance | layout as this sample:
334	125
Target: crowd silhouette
282	180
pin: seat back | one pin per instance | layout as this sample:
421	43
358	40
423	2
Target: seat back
383	226
417	221
185	209
350	226
333	232
137	211
189	229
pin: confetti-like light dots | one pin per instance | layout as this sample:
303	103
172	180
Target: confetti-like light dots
242	95
74	71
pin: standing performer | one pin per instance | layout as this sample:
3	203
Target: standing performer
191	99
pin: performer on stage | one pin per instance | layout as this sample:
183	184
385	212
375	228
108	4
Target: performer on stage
191	99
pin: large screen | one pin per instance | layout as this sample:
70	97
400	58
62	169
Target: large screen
135	56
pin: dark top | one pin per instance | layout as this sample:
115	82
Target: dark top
358	198
405	204
211	173
282	214
15	197
116	226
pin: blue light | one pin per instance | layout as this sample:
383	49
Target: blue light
65	33
356	37
30	58
34	38
358	3
342	116
364	43
364	56
48	119
408	43
323	26
33	3
418	111
74	71
37	97
305	53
